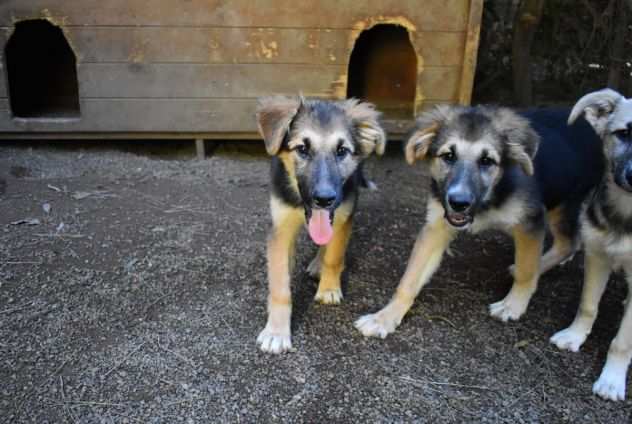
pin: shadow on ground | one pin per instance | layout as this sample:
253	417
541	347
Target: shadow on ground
132	289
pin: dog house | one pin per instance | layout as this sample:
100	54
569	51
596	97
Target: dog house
193	69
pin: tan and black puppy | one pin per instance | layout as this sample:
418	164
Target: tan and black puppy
485	174
317	149
606	228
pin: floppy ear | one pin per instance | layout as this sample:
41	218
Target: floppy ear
418	142
428	124
365	120
521	140
274	115
597	107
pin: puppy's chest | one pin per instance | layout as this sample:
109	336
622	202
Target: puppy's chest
617	246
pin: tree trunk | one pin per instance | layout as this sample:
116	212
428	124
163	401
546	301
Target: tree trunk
617	60
526	22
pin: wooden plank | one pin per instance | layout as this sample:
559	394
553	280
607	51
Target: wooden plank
470	52
191	118
238	45
138	80
144	115
429	15
440	84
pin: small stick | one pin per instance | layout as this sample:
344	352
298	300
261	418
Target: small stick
439	383
123	360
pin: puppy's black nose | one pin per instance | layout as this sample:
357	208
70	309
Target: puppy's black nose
460	202
324	198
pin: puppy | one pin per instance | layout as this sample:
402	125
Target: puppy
485	174
606	228
317	149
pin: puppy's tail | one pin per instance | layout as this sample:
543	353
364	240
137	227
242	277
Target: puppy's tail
365	182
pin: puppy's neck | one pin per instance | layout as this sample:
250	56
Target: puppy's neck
618	199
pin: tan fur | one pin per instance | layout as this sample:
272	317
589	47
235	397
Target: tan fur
286	223
333	262
418	143
528	249
563	248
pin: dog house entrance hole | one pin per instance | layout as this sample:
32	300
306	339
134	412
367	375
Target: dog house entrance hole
383	70
41	72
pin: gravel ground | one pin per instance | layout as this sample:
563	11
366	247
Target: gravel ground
132	289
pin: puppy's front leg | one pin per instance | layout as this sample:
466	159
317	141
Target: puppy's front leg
611	382
528	251
333	263
424	261
276	336
597	269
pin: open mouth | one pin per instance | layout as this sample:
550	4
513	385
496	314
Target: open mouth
458	220
319	225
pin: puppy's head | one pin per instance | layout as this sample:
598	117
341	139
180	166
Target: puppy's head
610	114
467	150
321	144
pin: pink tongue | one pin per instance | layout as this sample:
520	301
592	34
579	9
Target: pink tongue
319	227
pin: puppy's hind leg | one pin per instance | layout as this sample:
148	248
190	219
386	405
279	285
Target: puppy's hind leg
596	273
313	269
276	336
611	382
528	250
564	224
332	264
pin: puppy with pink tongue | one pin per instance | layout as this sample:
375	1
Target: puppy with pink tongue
317	150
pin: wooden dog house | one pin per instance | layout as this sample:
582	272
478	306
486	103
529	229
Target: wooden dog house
193	69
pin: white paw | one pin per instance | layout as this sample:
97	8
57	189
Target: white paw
510	308
611	383
274	341
376	325
569	339
329	296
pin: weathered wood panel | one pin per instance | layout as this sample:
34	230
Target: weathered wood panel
172	118
440	83
193	80
238	45
146	115
428	15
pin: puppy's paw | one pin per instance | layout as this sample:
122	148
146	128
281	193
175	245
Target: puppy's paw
274	341
611	383
379	325
569	339
329	296
512	307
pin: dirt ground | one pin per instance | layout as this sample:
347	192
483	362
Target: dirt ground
132	289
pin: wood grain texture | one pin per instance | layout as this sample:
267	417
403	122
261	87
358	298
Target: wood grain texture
429	15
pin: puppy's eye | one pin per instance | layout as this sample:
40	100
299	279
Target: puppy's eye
342	152
486	161
623	134
448	157
302	150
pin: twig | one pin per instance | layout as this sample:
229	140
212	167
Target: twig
16	308
60	235
21	262
440	318
104	376
63	398
440	383
185	359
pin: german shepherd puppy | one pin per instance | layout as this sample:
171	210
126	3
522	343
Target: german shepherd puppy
606	228
485	174
317	149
